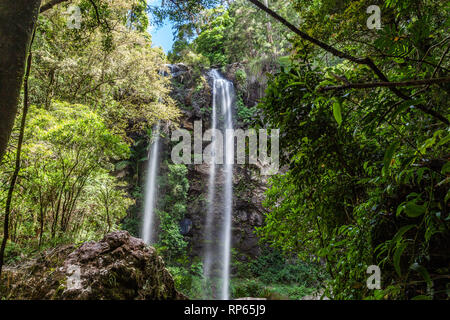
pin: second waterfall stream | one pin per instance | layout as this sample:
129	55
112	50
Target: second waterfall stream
148	225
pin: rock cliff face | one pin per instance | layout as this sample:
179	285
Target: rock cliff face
117	267
247	210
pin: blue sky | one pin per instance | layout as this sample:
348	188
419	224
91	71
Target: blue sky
162	36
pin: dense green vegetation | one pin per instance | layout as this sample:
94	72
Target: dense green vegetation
363	116
171	211
367	178
93	91
66	192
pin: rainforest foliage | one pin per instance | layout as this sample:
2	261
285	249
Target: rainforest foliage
363	115
367	182
366	166
91	91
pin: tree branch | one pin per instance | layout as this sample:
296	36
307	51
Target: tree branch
363	61
98	15
50	4
386	84
18	156
53	3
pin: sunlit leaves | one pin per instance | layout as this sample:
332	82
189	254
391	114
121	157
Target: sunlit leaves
67	156
122	82
337	111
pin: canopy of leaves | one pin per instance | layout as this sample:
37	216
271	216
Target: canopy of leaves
64	190
92	90
367	181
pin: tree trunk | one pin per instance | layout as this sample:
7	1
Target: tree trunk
17	20
17	164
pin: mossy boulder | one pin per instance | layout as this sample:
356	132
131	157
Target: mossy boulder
117	267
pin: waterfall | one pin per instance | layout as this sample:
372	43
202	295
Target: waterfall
207	261
223	93
228	189
217	249
148	231
148	228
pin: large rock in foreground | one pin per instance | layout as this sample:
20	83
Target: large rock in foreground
117	267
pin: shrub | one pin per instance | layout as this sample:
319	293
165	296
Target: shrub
272	267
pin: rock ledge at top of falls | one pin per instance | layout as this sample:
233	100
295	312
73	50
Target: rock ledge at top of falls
117	267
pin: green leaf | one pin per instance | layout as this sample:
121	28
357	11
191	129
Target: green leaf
401	108
397	256
378	294
421	297
402	231
414	210
122	165
423	272
296	83
400	209
446	168
389	154
337	112
444	140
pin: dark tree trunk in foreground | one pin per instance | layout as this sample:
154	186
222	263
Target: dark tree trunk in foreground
17	20
17	164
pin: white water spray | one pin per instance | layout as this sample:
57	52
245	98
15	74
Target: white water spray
228	188
148	228
223	93
208	258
